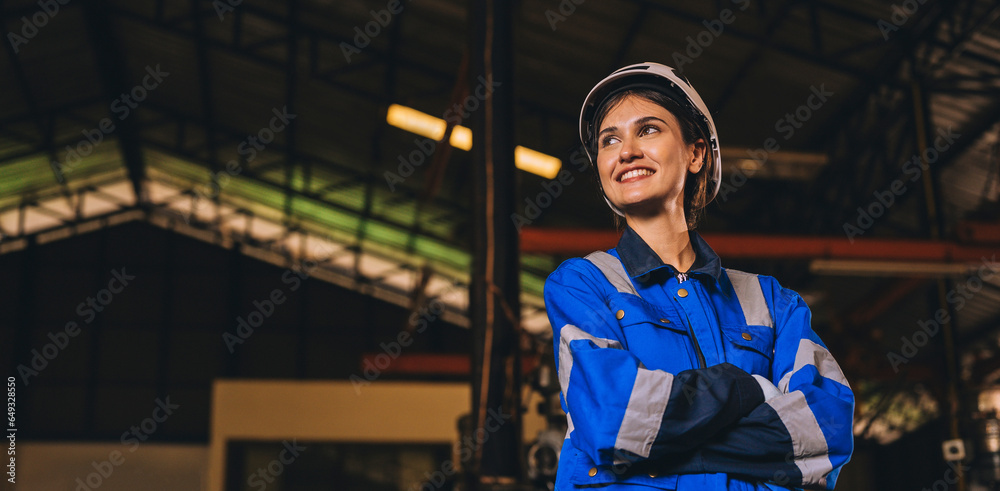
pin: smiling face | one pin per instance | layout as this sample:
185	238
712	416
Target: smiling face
643	160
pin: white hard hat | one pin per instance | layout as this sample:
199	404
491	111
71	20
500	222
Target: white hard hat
662	79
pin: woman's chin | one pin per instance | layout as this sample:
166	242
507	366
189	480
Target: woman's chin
642	207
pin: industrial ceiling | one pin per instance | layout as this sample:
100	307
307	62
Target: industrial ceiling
265	123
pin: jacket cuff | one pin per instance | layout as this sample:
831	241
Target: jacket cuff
770	390
749	392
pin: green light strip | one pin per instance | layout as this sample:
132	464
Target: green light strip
267	199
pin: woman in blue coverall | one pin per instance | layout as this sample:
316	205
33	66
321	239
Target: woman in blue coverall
677	373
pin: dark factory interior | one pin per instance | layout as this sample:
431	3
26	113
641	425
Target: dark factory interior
303	245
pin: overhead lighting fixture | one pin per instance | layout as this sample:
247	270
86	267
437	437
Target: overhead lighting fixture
536	162
428	126
432	127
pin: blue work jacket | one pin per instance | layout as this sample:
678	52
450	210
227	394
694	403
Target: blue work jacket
657	370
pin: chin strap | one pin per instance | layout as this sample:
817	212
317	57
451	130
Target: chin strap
613	207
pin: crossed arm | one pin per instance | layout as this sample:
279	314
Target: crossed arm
714	419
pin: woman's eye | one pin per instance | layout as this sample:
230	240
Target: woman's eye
648	130
608	140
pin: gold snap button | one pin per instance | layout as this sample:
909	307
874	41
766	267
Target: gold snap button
747	336
682	293
593	470
653	474
665	321
620	314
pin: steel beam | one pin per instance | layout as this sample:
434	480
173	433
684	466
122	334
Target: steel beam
112	66
751	61
777	247
805	56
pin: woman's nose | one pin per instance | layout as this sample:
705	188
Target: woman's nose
630	150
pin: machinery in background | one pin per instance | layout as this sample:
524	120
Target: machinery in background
540	452
985	472
542	456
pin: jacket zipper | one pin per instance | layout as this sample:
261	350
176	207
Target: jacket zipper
681	278
697	348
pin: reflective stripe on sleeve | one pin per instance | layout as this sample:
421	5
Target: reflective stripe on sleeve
568	334
644	412
810	452
811	353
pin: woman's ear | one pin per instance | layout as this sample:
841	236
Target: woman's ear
698	151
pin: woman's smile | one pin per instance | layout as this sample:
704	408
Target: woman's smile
635	175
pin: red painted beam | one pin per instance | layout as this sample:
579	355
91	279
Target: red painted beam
732	246
864	314
979	232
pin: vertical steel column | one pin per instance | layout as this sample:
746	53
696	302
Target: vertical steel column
234	305
291	90
923	123
494	290
25	331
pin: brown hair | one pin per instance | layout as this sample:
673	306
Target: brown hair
695	187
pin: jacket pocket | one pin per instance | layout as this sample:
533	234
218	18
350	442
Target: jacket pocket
750	347
657	336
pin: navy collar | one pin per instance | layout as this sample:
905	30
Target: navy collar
639	259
